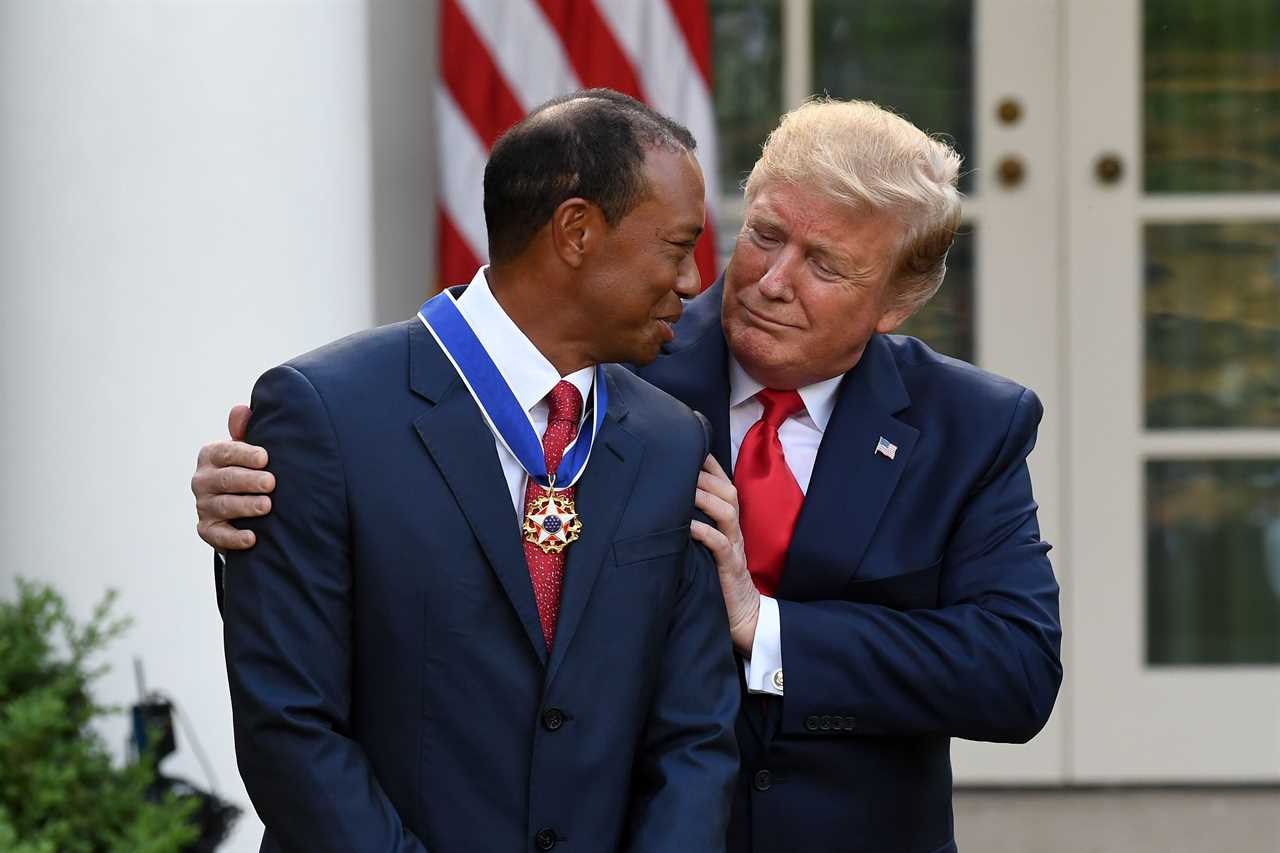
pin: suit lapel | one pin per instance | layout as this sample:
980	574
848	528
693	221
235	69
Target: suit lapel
457	438
602	494
706	371
851	483
694	368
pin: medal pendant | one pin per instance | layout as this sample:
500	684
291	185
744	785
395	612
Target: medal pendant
552	522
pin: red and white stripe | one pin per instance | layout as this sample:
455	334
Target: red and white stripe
501	58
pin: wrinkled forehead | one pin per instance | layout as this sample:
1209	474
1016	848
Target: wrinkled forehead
789	199
816	218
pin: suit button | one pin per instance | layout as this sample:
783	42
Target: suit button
849	724
811	723
545	839
763	780
825	724
552	720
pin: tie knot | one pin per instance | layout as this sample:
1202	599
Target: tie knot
779	405
565	402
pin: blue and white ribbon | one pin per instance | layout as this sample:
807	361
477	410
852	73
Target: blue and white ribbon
502	411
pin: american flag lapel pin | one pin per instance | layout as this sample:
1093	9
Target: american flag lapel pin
886	448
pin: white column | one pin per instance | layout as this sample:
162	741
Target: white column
187	199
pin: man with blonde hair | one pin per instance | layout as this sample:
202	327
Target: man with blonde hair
878	535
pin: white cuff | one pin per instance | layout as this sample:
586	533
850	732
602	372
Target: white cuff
764	668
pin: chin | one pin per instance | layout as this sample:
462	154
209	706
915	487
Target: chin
639	355
767	361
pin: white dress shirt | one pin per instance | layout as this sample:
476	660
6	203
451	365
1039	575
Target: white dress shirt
526	370
800	436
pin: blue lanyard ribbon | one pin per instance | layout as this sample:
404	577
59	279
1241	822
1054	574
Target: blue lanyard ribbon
503	412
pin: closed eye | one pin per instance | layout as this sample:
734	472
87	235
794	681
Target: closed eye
826	272
762	238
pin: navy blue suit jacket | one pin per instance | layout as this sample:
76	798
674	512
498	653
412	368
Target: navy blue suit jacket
390	685
917	602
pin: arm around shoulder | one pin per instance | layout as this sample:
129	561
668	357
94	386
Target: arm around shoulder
287	635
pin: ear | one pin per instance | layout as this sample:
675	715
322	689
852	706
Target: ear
577	227
892	318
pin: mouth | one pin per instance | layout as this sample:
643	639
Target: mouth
762	320
668	328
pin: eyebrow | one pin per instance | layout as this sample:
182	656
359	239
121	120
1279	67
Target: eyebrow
683	235
764	219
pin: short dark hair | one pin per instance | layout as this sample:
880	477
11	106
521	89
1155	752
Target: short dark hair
589	144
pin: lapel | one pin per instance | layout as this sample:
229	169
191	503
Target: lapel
602	494
459	441
851	483
694	368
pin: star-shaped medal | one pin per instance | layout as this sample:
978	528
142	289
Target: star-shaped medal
552	522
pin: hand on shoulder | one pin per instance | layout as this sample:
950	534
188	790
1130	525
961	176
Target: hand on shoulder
229	484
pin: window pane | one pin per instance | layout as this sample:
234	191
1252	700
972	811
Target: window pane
915	56
747	54
1212	95
1213	561
1213	325
946	323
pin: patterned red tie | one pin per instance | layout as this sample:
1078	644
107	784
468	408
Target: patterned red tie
547	570
769	498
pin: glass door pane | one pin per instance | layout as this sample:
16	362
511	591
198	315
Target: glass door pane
1211	96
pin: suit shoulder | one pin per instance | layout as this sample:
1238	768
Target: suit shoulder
656	415
930	374
358	357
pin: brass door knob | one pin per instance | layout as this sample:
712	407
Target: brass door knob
1109	169
1009	111
1011	171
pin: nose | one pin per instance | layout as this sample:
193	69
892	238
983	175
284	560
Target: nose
689	280
776	281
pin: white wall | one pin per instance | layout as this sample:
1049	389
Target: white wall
190	192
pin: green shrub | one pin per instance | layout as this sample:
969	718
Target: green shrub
59	791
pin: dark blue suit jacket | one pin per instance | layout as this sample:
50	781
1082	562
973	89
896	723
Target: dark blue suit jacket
390	685
917	603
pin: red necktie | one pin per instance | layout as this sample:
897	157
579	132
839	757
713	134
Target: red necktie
547	570
769	498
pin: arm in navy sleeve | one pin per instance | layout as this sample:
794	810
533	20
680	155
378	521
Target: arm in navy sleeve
984	665
687	762
288	635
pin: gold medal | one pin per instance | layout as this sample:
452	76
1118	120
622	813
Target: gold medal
552	522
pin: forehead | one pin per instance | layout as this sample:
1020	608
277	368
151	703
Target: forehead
819	220
674	189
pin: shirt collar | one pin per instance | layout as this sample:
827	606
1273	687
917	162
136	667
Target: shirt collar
819	398
528	372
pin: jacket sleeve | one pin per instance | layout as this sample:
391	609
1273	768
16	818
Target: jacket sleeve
287	635
984	665
687	762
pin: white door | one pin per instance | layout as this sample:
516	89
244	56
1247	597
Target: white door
1172	187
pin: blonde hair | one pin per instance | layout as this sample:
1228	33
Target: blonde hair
862	155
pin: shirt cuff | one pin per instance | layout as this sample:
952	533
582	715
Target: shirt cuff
764	668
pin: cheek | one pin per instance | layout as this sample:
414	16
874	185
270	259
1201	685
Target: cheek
748	263
840	320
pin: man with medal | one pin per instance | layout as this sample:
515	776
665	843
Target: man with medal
475	618
879	534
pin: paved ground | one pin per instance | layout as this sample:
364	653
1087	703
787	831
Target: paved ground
1220	820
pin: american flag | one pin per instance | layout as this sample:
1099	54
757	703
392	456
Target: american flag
886	447
501	58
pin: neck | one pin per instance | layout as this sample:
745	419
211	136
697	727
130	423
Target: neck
525	303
